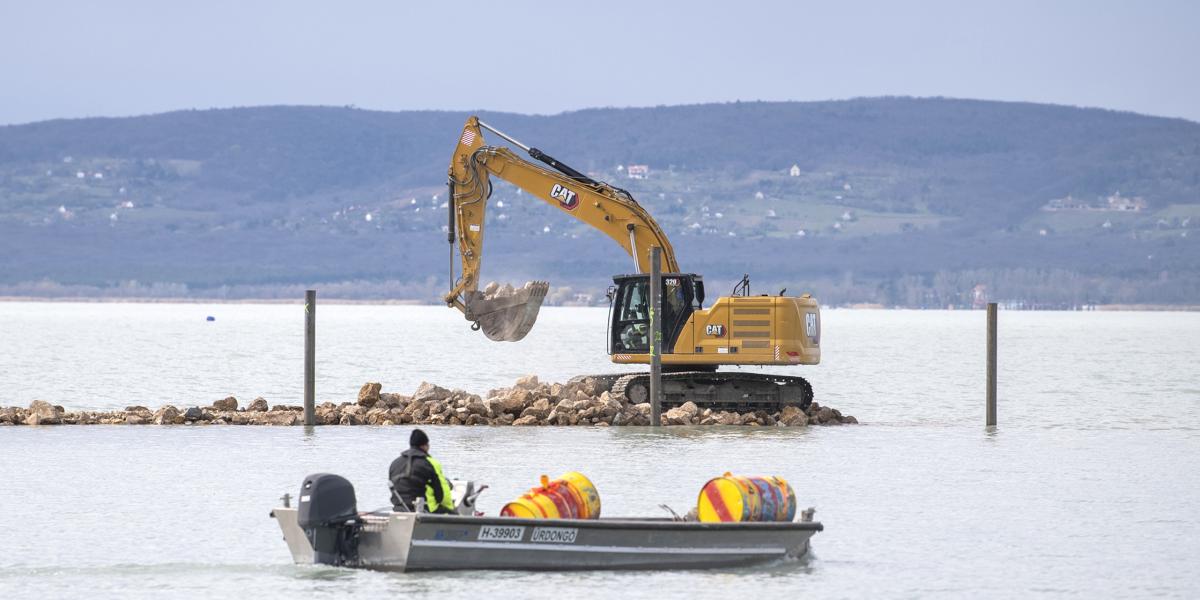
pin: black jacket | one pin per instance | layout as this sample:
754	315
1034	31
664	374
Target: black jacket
409	475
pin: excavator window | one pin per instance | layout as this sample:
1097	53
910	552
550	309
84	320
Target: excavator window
631	313
631	327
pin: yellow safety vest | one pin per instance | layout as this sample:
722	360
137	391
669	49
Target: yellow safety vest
430	499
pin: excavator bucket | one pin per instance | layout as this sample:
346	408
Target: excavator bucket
503	313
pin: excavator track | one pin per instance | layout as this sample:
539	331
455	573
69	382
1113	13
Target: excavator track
718	390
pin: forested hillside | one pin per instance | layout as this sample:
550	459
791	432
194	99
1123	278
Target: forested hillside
896	201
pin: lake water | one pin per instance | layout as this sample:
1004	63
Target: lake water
1089	487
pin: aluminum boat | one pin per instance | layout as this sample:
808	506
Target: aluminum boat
324	529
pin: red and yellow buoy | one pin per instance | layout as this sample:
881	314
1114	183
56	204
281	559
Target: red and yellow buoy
571	496
737	498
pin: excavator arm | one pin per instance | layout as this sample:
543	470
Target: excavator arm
503	313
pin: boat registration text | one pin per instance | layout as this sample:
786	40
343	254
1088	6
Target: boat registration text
498	533
554	535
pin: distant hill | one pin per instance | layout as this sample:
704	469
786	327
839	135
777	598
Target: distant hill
889	200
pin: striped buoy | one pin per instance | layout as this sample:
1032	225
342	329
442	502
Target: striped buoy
571	496
732	498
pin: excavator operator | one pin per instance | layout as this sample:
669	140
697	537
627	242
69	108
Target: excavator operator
416	474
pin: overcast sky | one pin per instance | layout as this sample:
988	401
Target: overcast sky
118	57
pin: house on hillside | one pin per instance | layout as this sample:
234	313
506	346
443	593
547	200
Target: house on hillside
637	171
979	296
1115	202
794	171
1067	203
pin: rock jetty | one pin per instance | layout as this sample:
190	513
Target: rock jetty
527	403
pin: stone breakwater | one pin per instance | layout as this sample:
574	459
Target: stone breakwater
527	402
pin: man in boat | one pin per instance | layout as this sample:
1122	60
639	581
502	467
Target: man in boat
416	474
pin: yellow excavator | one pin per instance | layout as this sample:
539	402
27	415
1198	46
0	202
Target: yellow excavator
740	329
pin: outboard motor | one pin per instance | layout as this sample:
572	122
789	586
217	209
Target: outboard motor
328	514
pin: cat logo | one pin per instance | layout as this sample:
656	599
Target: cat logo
715	330
568	199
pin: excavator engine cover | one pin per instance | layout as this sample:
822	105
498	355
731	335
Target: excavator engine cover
503	313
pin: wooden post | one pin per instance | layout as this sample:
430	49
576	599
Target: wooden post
991	364
310	356
655	336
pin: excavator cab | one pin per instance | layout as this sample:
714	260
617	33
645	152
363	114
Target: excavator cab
629	310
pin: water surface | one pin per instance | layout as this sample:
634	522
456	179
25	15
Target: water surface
1087	488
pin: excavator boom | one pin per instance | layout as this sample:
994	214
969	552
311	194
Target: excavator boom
505	313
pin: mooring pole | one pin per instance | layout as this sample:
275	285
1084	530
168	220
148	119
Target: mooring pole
655	336
310	357
991	364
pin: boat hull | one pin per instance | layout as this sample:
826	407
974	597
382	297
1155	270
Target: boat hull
414	542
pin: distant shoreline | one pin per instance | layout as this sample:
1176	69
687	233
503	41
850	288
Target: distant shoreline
351	301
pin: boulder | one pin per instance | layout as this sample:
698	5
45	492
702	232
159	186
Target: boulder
539	410
610	407
394	400
690	409
192	414
475	406
258	405
43	413
229	403
516	400
376	416
494	406
592	387
350	419
427	392
9	415
677	416
792	416
825	415
135	420
167	415
368	394
528	382
527	420
327	414
849	420
280	418
728	417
